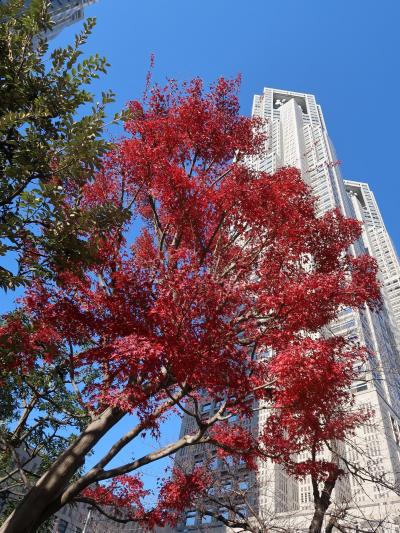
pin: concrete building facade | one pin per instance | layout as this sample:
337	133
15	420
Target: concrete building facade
64	13
297	136
379	244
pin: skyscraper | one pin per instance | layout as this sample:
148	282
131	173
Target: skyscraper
380	245
66	12
297	136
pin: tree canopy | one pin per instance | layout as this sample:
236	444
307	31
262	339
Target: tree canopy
51	141
220	298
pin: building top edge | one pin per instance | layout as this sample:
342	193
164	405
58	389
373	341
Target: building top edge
356	182
285	91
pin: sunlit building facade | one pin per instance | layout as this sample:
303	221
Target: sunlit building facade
378	242
297	136
66	12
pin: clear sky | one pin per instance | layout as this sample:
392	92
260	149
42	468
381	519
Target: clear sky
346	52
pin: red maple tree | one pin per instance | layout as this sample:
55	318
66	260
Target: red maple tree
229	263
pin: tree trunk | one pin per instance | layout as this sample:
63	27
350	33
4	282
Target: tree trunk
322	502
318	519
41	501
330	525
333	523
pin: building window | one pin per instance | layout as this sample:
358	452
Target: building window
242	462
244	485
213	465
190	518
361	387
217	405
224	513
227	485
62	526
241	510
206	408
206	519
229	461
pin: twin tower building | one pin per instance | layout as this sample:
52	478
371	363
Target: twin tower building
297	136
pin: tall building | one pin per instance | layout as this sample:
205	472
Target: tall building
297	136
72	518
379	244
66	12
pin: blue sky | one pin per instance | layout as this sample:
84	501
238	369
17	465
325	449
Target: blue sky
343	51
346	52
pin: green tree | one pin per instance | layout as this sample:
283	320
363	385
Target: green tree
50	142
